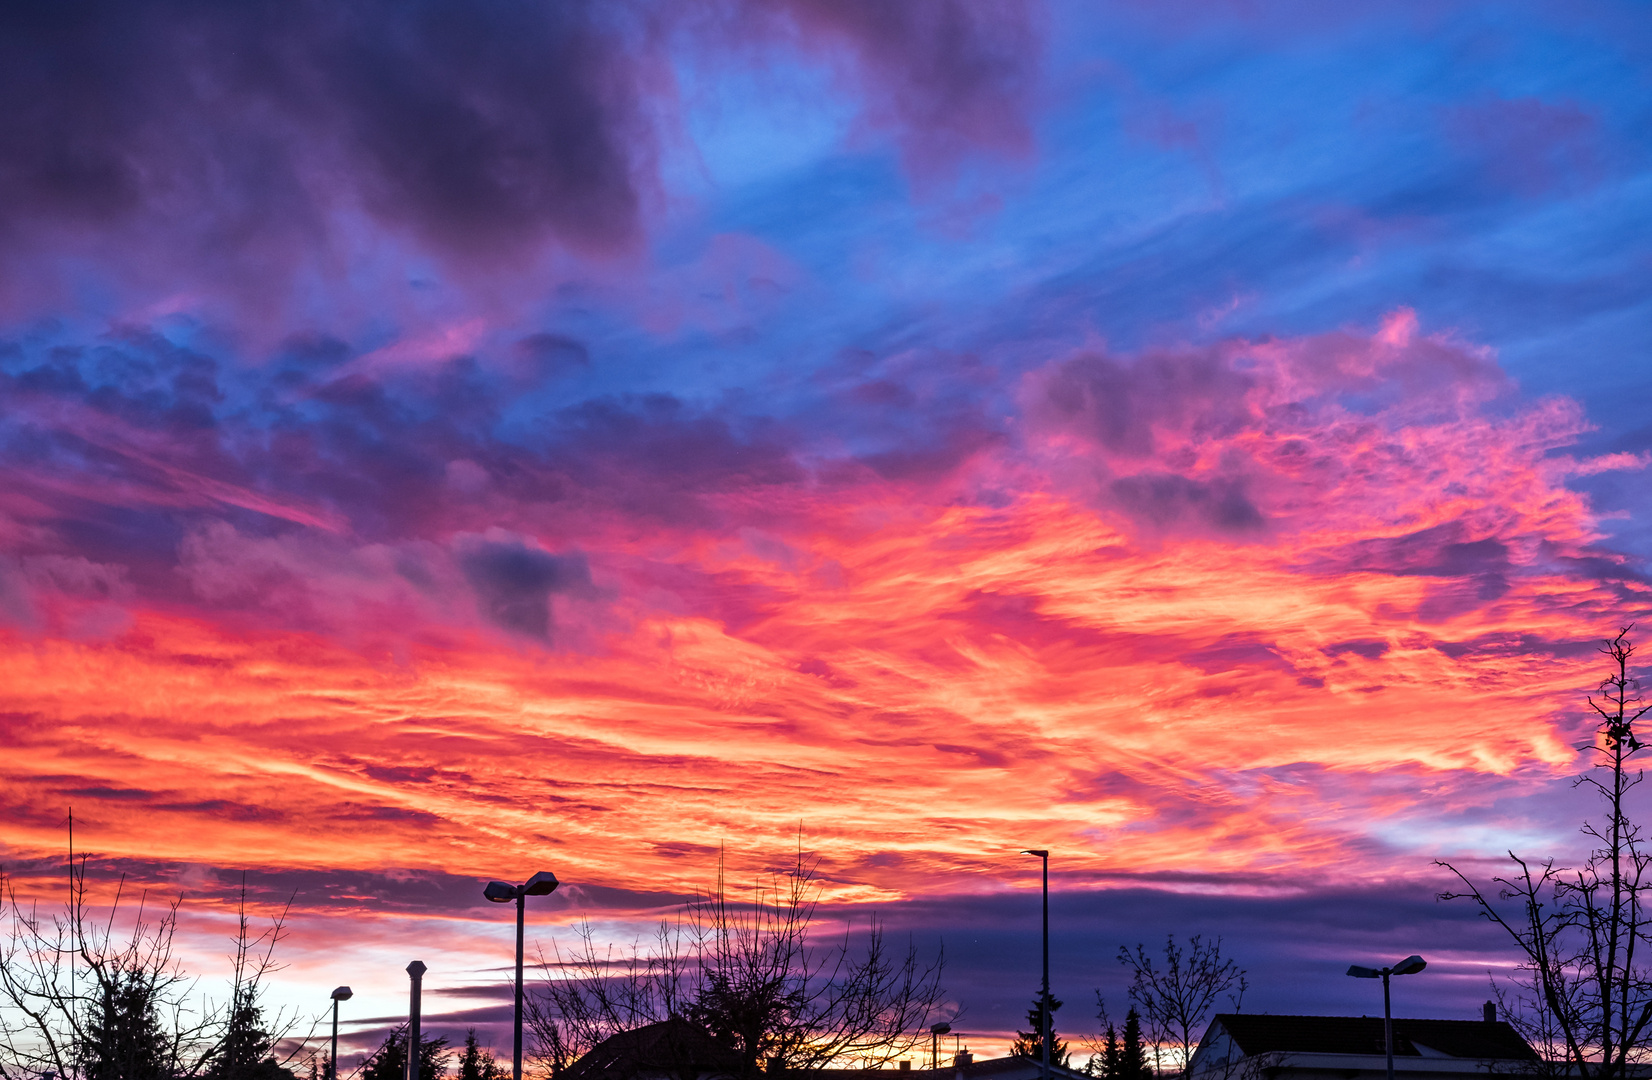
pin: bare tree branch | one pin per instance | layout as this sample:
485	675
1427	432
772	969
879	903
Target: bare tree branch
1582	995
1176	999
748	984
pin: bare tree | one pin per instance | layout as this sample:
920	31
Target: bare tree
250	1043
1582	995
747	985
1175	1000
79	999
1521	1003
597	992
773	995
88	1001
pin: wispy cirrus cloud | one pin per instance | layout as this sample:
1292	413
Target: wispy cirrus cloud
743	627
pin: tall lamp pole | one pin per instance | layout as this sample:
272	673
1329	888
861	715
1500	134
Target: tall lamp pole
341	994
1409	966
1044	993
935	1033
541	884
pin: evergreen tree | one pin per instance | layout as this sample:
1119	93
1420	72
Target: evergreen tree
122	1039
389	1061
1133	1063
1121	1059
245	1052
476	1063
1111	1059
244	1048
1030	1044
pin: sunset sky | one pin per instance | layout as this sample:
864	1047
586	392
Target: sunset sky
447	441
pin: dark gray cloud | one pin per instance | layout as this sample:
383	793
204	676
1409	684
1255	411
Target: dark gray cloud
514	580
1162	500
951	76
332	889
1119	403
479	126
236	146
1295	946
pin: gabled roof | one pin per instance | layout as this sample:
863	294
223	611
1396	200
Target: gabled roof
671	1048
1261	1033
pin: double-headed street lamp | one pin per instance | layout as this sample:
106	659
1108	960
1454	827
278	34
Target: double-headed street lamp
541	884
341	994
1044	996
1409	966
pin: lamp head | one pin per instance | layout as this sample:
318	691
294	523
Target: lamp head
940	1029
342	994
541	884
1410	965
499	892
1040	854
1364	972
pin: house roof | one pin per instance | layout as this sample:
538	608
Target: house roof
677	1048
1262	1033
670	1047
985	1069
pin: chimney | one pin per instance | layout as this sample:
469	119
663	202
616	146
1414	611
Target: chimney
962	1058
1489	1011
906	1065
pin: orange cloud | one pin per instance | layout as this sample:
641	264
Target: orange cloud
1226	619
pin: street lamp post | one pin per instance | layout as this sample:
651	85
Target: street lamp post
341	994
1409	966
935	1033
1044	994
541	884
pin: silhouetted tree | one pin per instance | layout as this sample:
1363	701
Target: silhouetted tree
1133	1062
1104	1061
1583	998
1030	1044
389	1061
1116	1059
85	1002
476	1063
122	1038
80	1000
747	982
1176	999
246	1047
602	992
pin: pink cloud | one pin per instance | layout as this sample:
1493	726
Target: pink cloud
1215	607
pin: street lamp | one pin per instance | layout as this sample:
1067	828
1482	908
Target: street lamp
1409	966
1044	995
935	1033
341	994
541	884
